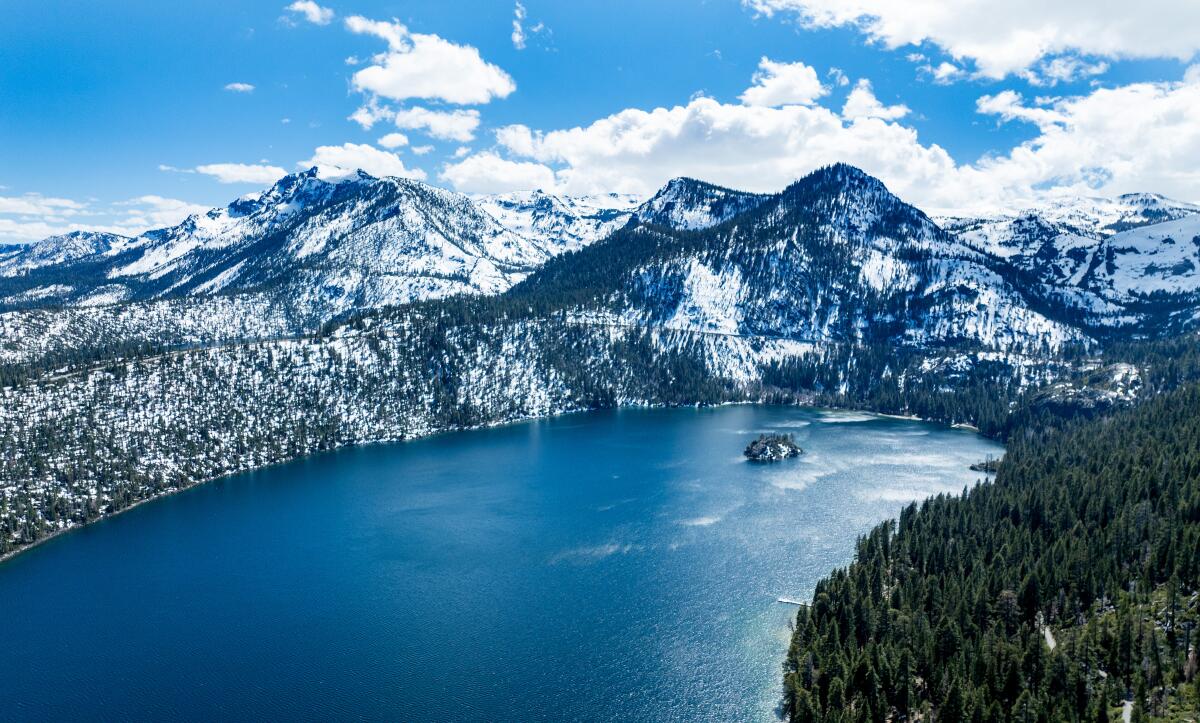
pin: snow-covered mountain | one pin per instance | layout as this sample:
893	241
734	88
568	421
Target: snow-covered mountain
1106	216
834	257
560	223
327	245
566	223
688	204
832	290
62	249
1120	263
1026	232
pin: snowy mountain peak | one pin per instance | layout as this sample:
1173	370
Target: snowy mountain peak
837	180
57	250
1099	217
559	223
688	204
845	204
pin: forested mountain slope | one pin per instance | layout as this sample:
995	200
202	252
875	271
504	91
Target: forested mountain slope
1056	593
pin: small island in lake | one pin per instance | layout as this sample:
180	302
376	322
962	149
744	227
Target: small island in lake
990	465
772	448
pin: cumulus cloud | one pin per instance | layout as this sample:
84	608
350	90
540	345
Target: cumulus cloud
312	12
489	173
394	140
943	73
457	125
239	88
353	156
425	66
778	84
372	112
242	172
862	103
1140	137
757	148
1003	37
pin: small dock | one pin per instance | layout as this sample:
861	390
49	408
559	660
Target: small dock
791	601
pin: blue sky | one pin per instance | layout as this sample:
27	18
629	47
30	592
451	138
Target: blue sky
126	115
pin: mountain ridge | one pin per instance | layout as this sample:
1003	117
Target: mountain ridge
834	255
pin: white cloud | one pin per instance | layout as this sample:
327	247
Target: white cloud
456	125
372	112
33	217
394	140
1002	37
838	76
518	29
1138	137
1064	69
312	12
756	148
422	150
242	172
943	73
521	33
239	88
424	66
1010	105
778	84
862	103
489	173
353	156
33	204
147	212
1141	137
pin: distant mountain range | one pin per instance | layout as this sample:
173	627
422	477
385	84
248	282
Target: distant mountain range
834	257
332	245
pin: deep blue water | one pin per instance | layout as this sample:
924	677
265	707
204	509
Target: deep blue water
613	565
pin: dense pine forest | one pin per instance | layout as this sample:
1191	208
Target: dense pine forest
1065	591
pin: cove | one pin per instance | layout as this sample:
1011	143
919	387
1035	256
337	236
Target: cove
608	565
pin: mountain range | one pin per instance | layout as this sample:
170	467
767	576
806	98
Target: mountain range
835	257
336	310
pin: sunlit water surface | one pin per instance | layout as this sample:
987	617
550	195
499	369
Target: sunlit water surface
611	565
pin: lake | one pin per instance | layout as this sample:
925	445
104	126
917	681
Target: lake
609	565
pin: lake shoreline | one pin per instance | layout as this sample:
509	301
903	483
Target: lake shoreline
11	554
